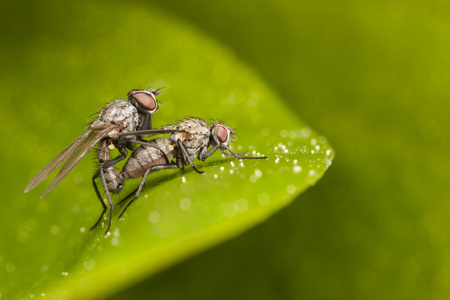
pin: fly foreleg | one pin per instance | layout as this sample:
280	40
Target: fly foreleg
238	156
186	156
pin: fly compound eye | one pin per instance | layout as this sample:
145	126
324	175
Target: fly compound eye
146	100
222	134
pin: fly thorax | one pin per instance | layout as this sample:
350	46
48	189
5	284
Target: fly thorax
119	111
174	137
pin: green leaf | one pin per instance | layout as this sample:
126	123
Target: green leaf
69	63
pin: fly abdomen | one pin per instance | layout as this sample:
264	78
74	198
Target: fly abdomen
113	179
159	151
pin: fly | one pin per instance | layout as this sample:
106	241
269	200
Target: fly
189	138
116	117
194	136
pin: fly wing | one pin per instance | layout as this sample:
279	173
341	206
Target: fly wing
149	132
77	153
58	161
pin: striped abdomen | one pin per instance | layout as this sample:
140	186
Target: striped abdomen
160	152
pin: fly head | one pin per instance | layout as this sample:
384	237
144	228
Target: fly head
221	135
144	100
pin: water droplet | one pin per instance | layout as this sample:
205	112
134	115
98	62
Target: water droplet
22	234
185	204
183	179
313	142
241	205
82	229
115	241
153	217
297	169
263	198
305	132
293	134
54	229
229	210
10	267
89	265
232	163
291	189
295	161
258	173
312	151
64	273
78	178
231	171
252	102
222	168
216	176
76	208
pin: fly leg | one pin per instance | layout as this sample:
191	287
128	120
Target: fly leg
229	155
105	163
238	156
186	156
144	178
101	173
205	155
111	205
122	156
100	198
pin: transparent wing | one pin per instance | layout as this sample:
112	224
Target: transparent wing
84	148
87	140
56	162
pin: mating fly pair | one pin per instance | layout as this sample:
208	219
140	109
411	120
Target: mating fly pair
116	117
122	124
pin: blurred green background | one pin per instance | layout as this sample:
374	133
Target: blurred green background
372	76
